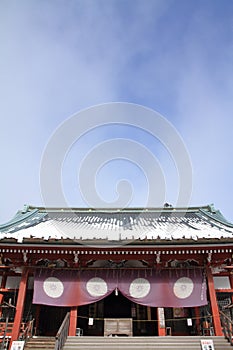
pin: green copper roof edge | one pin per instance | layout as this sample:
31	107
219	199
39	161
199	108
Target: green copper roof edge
30	211
19	217
115	210
212	214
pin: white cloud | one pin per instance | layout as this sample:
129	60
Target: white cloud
59	58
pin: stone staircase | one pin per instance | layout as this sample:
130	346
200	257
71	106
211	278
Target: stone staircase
149	343
40	343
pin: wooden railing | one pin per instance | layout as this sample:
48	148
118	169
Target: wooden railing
227	326
27	331
62	333
5	334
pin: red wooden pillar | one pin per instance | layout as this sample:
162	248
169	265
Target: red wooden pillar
20	306
197	317
3	285
161	322
73	320
214	304
231	281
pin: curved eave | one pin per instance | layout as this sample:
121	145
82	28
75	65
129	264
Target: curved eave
217	216
21	217
103	242
31	216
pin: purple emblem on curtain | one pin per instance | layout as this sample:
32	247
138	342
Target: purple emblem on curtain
156	288
165	288
96	285
56	288
72	288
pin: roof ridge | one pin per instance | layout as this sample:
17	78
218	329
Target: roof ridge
116	209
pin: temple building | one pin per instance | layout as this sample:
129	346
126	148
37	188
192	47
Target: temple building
162	271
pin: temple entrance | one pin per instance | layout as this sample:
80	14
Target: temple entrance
91	317
117	306
50	319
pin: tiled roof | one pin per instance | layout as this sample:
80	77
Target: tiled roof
130	224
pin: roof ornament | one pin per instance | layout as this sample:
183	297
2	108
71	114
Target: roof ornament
158	257
209	258
167	205
76	259
25	208
212	208
25	258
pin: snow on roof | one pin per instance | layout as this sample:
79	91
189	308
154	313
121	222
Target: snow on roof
130	224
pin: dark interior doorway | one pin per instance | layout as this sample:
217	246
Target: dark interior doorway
50	320
117	306
176	320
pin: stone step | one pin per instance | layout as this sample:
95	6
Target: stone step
139	340
148	347
145	346
148	343
40	343
142	339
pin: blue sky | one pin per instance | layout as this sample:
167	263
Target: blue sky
60	57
